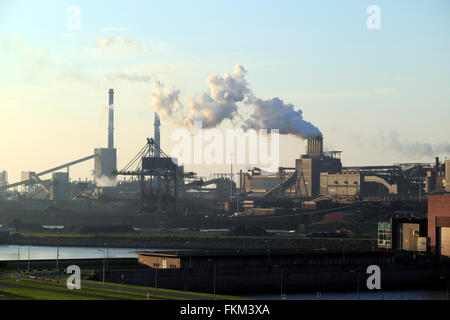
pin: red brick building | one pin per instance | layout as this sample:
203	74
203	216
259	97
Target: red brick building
439	223
159	260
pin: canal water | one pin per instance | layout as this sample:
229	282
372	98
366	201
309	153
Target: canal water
13	252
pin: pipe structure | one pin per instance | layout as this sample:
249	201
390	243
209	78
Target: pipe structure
50	171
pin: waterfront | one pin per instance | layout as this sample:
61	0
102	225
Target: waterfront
12	252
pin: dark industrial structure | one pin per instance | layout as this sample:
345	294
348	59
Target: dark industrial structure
153	183
319	175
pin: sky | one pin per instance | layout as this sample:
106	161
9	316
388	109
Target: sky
381	96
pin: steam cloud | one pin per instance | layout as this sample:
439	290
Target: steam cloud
275	114
105	181
129	77
220	103
415	150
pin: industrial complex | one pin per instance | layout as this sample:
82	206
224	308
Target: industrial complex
393	215
316	176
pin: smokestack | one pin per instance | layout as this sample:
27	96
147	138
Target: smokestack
157	137
315	147
437	166
111	120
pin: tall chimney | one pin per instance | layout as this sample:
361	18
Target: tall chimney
157	136
111	120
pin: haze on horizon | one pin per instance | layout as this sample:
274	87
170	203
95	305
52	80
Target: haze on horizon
380	96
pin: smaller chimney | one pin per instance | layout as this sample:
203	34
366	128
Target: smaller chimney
437	166
157	134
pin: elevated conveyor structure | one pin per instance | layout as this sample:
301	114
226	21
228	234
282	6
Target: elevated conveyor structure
35	177
391	187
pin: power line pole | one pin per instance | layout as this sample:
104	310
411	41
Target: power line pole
57	250
18	260
214	280
156	276
281	284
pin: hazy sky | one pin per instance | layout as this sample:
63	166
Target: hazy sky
381	96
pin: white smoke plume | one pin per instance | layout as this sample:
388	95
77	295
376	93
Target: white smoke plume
413	150
230	87
211	107
220	103
275	114
166	102
104	181
128	77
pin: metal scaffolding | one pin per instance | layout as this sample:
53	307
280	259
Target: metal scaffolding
154	175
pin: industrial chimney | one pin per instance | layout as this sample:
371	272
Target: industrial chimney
106	158
157	136
111	120
315	147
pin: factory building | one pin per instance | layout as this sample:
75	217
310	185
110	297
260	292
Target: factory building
163	260
435	178
316	174
301	181
60	186
439	224
105	162
340	184
310	166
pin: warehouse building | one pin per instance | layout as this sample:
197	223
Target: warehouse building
439	224
316	173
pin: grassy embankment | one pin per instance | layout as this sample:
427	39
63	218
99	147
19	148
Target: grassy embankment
37	289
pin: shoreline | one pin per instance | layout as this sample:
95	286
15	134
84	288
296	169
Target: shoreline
186	241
